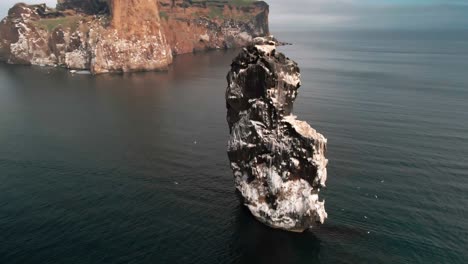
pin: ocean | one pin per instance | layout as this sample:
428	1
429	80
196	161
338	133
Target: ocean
133	168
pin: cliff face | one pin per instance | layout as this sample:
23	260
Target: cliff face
134	41
125	35
212	24
278	161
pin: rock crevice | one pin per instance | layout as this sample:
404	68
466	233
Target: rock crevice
278	161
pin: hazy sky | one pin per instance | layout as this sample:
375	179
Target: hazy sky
406	14
317	14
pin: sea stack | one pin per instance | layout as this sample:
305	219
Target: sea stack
278	162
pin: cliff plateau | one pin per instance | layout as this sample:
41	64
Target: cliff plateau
126	35
278	162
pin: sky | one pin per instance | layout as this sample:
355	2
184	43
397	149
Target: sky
349	14
369	14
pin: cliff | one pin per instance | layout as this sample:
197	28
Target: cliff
126	35
278	162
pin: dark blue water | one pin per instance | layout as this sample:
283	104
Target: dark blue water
133	169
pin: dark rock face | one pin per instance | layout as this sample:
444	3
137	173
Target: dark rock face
278	162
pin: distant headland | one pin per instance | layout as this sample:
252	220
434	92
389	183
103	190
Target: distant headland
124	36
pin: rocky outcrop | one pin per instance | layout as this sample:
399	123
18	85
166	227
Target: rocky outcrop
278	161
134	41
20	41
126	35
196	26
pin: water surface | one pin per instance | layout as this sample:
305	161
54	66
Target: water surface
133	168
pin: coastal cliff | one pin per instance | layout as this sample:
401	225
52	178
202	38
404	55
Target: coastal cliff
126	35
278	162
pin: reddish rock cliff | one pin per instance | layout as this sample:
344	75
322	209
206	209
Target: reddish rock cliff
126	35
212	24
134	40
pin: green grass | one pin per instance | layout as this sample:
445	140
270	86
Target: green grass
50	24
163	15
216	12
241	2
233	2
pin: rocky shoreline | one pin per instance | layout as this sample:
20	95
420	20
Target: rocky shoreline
122	36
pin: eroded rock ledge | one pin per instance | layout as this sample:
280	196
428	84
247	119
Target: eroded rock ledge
278	161
126	35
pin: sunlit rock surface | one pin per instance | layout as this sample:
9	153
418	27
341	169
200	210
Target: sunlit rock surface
126	35
278	161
